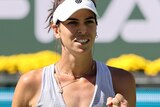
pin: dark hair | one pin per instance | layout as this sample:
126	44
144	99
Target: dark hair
56	3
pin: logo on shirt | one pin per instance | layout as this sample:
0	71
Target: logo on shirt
78	1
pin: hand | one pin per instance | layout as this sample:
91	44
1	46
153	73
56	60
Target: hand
117	101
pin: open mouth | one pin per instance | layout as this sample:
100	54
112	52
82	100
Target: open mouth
82	41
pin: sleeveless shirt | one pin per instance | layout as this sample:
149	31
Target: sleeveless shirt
50	96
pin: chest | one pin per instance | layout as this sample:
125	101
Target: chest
78	94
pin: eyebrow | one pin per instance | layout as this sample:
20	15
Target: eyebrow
74	19
90	18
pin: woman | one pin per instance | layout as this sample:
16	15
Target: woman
76	80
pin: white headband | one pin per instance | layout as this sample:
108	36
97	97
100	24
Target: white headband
68	7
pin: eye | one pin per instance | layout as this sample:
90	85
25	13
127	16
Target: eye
72	23
90	22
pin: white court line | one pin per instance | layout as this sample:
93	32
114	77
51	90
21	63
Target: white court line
148	97
6	96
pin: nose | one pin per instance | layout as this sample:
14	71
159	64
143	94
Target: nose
82	29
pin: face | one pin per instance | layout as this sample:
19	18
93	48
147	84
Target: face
77	33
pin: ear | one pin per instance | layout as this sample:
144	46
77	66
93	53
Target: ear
55	30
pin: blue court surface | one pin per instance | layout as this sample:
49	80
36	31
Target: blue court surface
146	97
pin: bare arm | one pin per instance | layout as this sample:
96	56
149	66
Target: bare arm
21	96
25	90
124	83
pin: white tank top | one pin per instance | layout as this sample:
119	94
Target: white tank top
50	96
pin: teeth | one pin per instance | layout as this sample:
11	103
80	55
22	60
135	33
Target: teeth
82	40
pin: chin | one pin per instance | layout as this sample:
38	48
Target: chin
83	51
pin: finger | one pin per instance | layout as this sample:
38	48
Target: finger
119	97
115	102
121	100
109	101
124	103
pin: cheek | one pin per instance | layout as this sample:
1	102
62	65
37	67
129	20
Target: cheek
66	35
92	27
72	30
63	31
68	30
93	30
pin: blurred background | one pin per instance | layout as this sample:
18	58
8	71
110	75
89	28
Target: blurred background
128	37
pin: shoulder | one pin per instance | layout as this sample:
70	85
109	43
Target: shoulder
27	86
121	75
31	79
118	73
124	83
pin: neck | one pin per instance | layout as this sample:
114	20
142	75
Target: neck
90	72
75	66
75	62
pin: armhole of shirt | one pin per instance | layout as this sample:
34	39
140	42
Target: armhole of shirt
41	90
107	73
111	81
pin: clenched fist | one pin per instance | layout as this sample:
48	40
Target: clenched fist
117	101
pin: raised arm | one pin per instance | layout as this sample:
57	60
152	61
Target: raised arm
124	83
